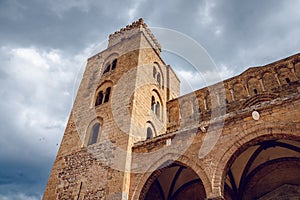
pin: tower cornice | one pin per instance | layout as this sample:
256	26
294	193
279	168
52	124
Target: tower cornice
129	30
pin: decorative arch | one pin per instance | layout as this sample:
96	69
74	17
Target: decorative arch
239	91
154	91
142	185
251	137
254	86
111	57
269	81
285	76
257	99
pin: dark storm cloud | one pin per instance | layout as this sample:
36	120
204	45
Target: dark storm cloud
34	104
68	25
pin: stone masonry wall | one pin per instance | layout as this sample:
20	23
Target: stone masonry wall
278	120
278	107
204	130
98	171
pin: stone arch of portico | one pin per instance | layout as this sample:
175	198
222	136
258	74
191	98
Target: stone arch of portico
239	144
164	161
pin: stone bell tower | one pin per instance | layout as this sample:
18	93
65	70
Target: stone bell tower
121	100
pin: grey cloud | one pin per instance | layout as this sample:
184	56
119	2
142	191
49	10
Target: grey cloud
250	28
33	111
238	34
47	24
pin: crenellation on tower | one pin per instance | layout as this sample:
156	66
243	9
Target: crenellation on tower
130	30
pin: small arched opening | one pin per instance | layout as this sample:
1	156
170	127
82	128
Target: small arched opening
149	133
150	130
93	137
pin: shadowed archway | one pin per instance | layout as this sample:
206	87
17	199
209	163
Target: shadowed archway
175	181
264	170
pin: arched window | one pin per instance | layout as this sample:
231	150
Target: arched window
107	94
102	93
114	64
107	68
94	134
255	91
157	109
154	72
149	133
153	103
156	105
157	74
99	98
111	64
158	78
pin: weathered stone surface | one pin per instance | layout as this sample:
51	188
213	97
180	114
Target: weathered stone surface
123	161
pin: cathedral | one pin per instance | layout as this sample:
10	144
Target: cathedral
130	135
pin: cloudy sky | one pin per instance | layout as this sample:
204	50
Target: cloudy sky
44	45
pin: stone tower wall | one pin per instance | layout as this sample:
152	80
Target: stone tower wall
98	171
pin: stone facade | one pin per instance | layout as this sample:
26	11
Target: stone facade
131	136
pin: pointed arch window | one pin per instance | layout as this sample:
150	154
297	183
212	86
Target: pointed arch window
255	91
154	72
107	68
107	94
99	99
158	79
103	96
94	134
110	65
157	74
157	109
149	133
114	64
153	103
156	105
